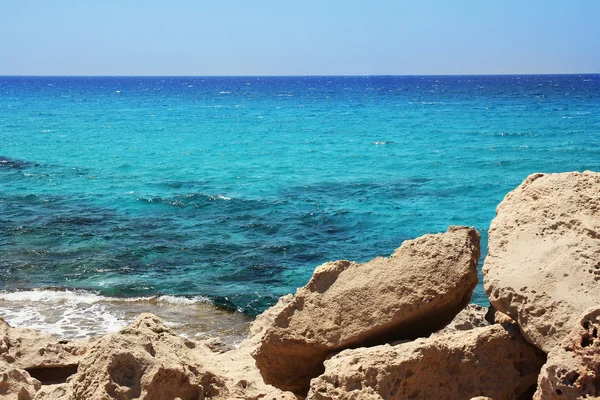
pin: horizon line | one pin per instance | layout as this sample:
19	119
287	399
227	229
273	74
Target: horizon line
287	76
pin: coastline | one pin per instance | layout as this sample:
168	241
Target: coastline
169	189
71	314
393	328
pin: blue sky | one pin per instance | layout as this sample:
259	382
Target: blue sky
227	37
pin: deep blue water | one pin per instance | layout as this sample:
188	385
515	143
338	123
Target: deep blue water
236	188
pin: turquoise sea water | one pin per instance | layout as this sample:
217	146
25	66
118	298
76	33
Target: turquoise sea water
231	190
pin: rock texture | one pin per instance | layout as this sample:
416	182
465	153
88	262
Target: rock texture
473	316
493	361
415	292
542	276
16	384
238	368
144	360
543	266
573	370
43	356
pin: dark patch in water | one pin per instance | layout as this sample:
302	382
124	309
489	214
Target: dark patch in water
6	162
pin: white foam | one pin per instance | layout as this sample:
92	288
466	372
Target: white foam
82	296
183	300
79	314
52	296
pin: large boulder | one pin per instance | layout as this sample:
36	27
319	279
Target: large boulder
573	370
415	292
493	361
543	265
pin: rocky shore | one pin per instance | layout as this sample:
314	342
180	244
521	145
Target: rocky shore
392	328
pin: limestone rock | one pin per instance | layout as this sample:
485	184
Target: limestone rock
144	360
494	316
43	356
543	267
28	348
16	384
259	327
238	369
415	292
54	392
493	361
573	370
473	316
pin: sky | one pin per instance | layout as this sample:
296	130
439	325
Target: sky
309	37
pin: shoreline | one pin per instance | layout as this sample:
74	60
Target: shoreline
77	314
393	328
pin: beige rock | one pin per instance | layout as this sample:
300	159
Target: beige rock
54	392
45	357
16	384
144	360
494	316
238	369
28	348
573	370
472	316
493	361
416	291
543	268
259	327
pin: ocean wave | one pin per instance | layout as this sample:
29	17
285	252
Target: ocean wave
186	200
7	162
88	297
77	314
382	142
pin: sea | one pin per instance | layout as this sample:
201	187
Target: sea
204	199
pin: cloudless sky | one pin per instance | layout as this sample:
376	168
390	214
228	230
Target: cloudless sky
309	37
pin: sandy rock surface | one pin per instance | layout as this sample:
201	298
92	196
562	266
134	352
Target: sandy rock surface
16	383
238	368
29	349
147	360
143	360
473	316
493	361
543	266
415	292
573	370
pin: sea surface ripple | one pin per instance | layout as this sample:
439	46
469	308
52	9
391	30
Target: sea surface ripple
231	190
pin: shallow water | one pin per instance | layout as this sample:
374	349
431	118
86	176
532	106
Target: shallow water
235	189
79	315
